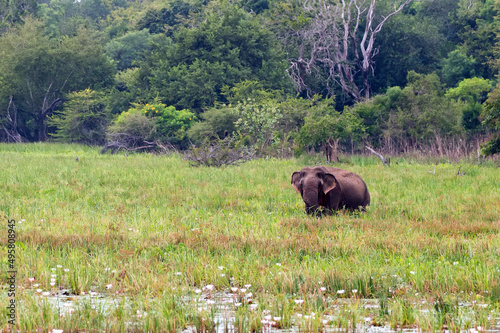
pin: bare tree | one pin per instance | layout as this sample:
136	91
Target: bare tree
9	124
338	44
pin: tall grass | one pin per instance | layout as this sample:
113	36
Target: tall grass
150	230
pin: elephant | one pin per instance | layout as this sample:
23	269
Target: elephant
331	188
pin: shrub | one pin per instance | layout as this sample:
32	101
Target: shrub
131	131
150	126
83	119
219	152
216	121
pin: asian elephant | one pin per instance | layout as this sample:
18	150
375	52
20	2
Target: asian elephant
331	188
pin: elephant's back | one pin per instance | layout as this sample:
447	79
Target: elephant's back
354	190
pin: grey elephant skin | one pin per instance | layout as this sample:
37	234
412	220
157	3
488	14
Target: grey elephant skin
331	188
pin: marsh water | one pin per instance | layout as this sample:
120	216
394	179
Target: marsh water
223	309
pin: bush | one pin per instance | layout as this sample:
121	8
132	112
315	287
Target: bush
83	119
150	126
216	121
217	153
131	131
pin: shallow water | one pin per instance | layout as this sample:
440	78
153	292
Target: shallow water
224	304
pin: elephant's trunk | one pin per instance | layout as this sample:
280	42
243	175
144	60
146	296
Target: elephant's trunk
311	199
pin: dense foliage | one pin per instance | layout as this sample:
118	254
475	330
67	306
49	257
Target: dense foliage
280	76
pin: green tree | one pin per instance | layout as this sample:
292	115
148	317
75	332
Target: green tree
491	118
323	126
473	90
12	12
61	18
478	32
407	43
37	71
229	46
127	49
456	67
473	93
168	20
84	118
216	123
166	124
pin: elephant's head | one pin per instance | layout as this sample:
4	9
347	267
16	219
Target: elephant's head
313	184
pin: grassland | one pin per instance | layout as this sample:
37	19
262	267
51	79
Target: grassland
160	241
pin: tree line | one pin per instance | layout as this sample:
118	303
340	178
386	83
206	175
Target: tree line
283	77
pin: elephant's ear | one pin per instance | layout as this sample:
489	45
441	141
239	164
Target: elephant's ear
296	182
329	183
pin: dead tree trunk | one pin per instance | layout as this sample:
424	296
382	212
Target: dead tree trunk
384	160
10	127
331	150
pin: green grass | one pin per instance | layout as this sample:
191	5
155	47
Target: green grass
156	230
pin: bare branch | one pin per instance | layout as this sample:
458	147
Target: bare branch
384	160
329	49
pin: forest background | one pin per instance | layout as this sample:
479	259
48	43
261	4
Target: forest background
281	77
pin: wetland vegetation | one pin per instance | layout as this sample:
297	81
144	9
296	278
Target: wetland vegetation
145	242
